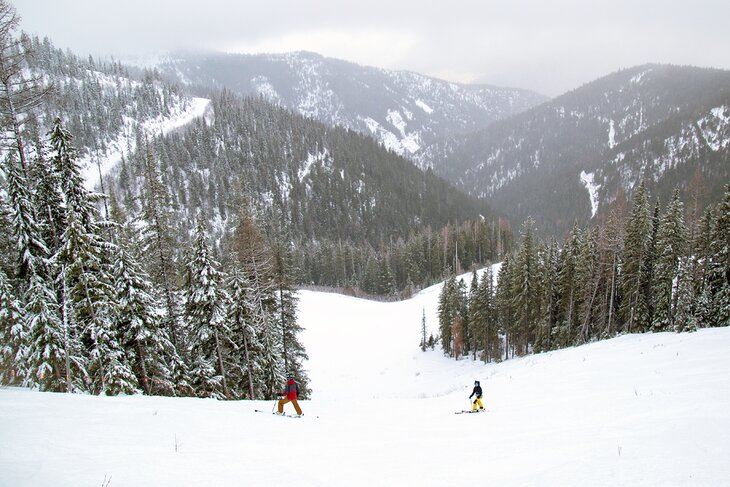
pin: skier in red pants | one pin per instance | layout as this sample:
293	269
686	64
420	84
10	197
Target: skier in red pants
290	395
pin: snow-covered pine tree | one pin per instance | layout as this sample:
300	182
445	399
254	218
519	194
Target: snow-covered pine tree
12	335
205	302
54	357
424	339
158	242
503	303
526	293
670	246
138	319
48	201
447	312
85	273
718	272
547	272
634	308
490	334
591	281
568	292
649	268
64	159
31	249
477	316
92	306
245	366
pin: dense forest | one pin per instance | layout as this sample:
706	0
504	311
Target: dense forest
179	277
650	269
93	301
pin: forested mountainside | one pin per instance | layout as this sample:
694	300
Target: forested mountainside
338	193
101	103
565	161
405	111
327	188
326	183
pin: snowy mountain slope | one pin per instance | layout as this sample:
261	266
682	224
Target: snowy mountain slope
96	163
565	160
405	111
636	410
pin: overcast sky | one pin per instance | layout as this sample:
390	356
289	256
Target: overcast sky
549	46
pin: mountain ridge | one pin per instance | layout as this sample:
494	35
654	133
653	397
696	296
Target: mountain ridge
612	130
403	110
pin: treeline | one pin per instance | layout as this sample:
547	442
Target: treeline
103	303
651	270
403	265
97	305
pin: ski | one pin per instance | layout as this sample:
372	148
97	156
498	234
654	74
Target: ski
284	415
470	411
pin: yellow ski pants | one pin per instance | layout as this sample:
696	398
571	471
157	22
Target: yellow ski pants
293	401
477	402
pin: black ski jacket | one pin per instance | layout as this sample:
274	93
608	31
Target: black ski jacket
478	391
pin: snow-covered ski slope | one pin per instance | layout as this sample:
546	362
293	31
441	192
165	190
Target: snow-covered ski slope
646	410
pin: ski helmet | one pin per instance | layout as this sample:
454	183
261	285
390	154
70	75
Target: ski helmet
476	382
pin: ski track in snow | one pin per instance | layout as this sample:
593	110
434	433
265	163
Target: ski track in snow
640	410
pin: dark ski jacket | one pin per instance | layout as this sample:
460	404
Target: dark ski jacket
292	390
478	391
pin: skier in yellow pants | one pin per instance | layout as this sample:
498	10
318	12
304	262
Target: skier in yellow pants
478	393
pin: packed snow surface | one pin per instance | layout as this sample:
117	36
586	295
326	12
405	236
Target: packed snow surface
640	410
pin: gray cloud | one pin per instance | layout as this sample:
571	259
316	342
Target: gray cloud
547	46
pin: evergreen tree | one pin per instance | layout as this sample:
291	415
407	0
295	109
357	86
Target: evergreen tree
489	333
54	356
547	272
477	316
423	331
64	158
24	223
718	272
526	294
634	308
590	279
293	351
87	279
245	367
568	291
254	259
504	303
671	245
158	242
138	319
12	334
447	313
205	304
